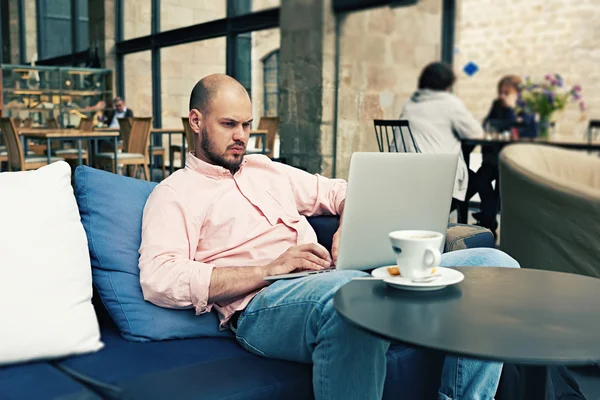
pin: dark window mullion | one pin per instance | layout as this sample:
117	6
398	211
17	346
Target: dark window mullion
74	23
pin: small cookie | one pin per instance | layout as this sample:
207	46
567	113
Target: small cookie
393	270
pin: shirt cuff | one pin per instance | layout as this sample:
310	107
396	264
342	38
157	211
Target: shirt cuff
199	286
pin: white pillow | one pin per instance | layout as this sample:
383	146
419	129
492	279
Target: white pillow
45	273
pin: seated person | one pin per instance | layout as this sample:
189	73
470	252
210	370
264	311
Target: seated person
111	117
212	232
503	116
438	120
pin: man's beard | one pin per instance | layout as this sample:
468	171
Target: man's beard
232	164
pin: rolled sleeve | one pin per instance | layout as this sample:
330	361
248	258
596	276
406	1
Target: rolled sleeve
315	194
199	288
169	275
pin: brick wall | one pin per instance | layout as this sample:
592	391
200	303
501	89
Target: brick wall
530	37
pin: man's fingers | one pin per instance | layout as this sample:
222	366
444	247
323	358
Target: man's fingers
305	264
306	255
315	249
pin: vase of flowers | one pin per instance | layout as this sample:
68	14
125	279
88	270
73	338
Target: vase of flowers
546	97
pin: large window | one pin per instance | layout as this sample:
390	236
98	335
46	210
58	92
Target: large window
271	84
181	67
183	43
57	19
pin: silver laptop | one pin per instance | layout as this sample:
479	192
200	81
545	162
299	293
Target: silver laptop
389	192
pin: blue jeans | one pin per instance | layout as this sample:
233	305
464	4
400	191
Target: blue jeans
295	320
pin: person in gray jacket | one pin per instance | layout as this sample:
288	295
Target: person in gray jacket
438	119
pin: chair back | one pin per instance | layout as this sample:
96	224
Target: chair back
395	135
17	121
190	135
16	160
593	129
139	135
270	124
27	122
125	127
86	125
52	123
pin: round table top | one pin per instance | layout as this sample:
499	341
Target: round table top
522	316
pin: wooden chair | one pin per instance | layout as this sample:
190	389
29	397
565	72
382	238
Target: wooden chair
16	160
190	136
125	127
135	147
270	124
52	123
389	133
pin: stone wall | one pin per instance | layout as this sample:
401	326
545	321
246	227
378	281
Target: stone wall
382	53
301	72
533	38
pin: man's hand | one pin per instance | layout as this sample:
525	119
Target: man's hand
335	245
311	257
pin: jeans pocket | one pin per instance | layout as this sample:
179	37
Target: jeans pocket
246	345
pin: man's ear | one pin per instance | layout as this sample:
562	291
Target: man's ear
196	120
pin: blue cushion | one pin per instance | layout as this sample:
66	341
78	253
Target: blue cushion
40	381
111	208
218	368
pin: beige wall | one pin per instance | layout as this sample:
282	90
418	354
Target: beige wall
530	38
179	13
138	83
382	53
30	29
136	18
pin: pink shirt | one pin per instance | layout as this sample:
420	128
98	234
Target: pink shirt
202	217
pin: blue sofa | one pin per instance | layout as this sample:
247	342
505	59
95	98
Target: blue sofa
207	367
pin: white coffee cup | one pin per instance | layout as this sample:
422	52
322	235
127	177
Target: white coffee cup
417	252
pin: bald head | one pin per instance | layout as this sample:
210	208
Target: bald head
209	87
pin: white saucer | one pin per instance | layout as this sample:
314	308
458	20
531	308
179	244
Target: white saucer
448	277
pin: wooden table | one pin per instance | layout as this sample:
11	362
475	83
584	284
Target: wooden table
68	134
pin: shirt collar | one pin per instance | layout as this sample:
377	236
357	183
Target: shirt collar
210	170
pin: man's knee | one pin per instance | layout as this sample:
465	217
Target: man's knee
484	257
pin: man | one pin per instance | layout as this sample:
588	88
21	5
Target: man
120	111
212	231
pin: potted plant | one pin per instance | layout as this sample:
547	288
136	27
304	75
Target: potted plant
546	97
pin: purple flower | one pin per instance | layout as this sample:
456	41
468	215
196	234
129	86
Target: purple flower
547	77
576	96
577	88
550	96
581	106
553	82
